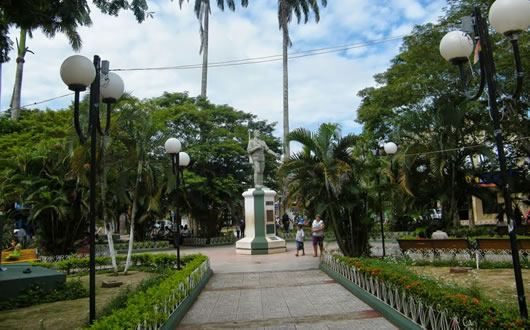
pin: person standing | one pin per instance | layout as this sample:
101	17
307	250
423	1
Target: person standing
238	230
242	227
317	232
300	240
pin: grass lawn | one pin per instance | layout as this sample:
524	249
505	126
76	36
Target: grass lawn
71	314
496	284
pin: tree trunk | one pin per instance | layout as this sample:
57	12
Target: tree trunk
204	78
286	150
108	226
17	87
133	214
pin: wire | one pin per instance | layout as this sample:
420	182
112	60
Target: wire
252	60
461	148
39	102
271	58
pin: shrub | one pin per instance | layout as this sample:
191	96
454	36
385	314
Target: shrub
464	303
145	305
35	295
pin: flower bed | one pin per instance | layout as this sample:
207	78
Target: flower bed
153	308
424	301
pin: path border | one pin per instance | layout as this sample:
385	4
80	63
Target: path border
388	312
177	316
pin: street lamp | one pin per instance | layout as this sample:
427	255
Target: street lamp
508	17
77	72
173	147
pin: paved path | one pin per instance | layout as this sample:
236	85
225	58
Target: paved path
278	291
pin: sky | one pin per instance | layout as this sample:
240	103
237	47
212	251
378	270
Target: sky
322	88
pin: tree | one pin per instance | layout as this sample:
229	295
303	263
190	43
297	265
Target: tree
286	10
216	138
51	16
418	104
325	178
202	10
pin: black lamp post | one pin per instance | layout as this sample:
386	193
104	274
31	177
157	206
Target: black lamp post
179	160
77	72
508	17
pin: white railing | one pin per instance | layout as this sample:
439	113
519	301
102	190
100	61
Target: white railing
165	308
410	306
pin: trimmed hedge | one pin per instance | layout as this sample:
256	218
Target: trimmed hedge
145	306
143	259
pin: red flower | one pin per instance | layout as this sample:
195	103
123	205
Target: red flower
351	259
455	324
476	300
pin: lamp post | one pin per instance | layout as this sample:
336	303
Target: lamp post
179	160
77	72
508	17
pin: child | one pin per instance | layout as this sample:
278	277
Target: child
16	247
300	240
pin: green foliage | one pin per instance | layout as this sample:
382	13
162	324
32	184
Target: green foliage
465	303
44	166
120	301
35	295
153	262
326	178
144	305
58	16
418	104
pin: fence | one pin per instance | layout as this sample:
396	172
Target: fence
409	306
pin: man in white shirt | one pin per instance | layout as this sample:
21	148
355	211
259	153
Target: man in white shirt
439	235
317	231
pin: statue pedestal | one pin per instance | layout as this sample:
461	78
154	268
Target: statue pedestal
260	226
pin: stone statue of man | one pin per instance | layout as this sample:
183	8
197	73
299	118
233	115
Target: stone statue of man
256	154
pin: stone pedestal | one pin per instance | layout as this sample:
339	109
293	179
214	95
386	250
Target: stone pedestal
260	227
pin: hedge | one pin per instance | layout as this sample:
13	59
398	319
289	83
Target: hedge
146	306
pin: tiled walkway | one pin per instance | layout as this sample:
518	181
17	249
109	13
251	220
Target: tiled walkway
298	299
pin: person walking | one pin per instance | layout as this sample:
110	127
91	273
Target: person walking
300	240
317	232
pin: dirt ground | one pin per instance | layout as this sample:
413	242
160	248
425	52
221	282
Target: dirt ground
496	284
71	314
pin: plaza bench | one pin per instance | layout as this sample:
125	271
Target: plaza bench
26	255
435	245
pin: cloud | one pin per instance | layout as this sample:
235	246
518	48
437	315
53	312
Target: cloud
322	88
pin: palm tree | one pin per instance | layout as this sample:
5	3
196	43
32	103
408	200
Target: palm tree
286	10
67	26
324	178
202	10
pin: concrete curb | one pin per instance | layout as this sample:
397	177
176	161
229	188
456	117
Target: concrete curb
388	312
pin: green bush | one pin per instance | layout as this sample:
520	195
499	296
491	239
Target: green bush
461	302
144	306
151	261
35	295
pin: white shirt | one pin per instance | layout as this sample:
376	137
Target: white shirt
300	235
439	235
317	225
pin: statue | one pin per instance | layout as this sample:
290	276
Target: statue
256	155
